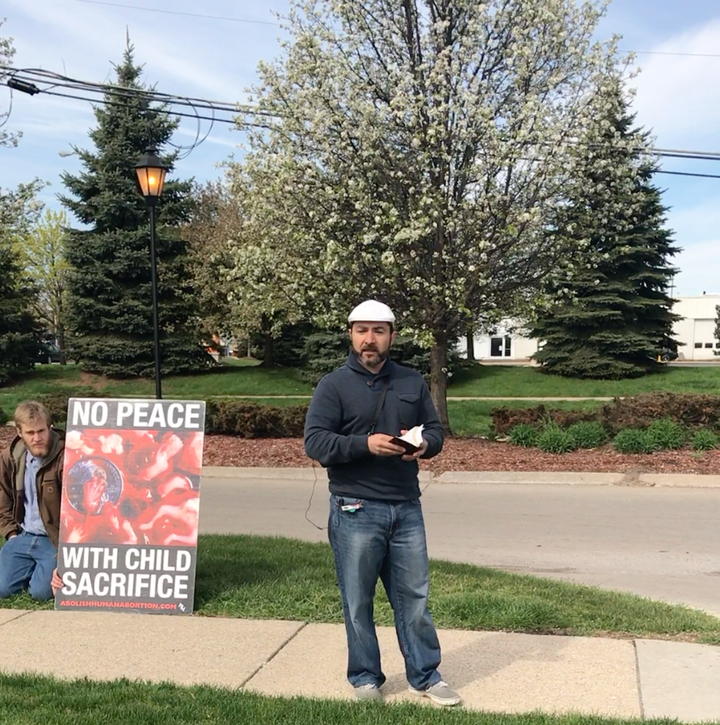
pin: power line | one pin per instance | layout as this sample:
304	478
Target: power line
30	80
112	95
680	151
28	76
650	52
687	173
166	111
278	25
178	12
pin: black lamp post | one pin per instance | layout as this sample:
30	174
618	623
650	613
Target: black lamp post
151	176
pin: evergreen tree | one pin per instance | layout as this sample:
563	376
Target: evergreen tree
717	330
18	330
110	291
18	344
612	315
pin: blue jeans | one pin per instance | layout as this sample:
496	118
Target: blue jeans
384	539
27	561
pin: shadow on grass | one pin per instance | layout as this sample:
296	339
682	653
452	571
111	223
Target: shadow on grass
264	577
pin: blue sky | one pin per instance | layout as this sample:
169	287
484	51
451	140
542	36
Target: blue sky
678	96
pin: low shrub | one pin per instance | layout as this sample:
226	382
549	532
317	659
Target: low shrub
523	435
505	419
4	417
57	403
554	439
704	440
633	440
250	420
690	410
667	435
588	434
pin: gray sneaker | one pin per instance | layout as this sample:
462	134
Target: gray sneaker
368	692
440	693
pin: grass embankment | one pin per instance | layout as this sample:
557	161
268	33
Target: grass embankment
29	700
230	380
238	378
473	417
258	577
522	382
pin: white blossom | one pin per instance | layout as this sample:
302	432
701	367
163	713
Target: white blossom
421	167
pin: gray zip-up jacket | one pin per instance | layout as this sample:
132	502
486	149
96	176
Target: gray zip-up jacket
338	424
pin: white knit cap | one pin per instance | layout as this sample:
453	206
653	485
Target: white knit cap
372	311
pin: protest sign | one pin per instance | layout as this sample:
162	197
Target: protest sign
130	505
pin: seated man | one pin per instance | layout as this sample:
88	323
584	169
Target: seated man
30	493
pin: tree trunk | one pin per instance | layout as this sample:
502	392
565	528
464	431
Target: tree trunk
269	351
61	342
438	379
268	345
470	340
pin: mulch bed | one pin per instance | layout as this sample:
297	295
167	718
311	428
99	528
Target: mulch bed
460	454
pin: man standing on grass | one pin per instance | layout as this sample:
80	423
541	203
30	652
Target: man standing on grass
30	492
376	526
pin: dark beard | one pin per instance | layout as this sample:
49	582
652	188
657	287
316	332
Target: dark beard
379	358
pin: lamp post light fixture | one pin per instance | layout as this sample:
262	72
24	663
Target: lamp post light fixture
151	176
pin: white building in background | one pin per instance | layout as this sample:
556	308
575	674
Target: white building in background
506	342
696	332
696	329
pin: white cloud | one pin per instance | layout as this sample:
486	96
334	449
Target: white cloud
186	55
679	96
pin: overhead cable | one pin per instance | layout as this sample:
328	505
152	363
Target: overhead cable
37	80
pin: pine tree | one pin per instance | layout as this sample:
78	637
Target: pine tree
19	332
612	315
110	292
18	343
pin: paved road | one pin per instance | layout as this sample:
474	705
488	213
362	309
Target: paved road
657	542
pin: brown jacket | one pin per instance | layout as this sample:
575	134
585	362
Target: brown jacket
49	492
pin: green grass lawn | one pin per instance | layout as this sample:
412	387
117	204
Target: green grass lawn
257	577
32	700
240	362
519	382
473	417
245	377
240	378
232	379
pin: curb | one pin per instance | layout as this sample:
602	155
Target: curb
542	478
525	478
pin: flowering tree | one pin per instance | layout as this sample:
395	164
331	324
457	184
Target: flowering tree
208	231
7	51
411	150
42	250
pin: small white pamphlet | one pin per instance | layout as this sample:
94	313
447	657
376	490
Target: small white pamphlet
414	436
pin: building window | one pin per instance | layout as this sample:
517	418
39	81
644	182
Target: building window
500	346
717	345
708	345
698	345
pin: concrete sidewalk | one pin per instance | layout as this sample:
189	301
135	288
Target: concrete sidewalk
545	478
494	671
